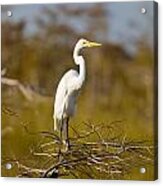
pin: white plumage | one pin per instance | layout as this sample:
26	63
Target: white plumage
68	90
65	97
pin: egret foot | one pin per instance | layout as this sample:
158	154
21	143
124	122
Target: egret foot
65	146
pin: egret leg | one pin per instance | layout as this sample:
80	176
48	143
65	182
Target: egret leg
61	130
65	133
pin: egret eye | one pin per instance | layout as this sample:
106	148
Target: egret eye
84	42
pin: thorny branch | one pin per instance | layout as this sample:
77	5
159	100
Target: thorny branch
108	156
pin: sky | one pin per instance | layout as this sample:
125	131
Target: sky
126	22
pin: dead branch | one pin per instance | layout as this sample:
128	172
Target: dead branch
88	159
27	92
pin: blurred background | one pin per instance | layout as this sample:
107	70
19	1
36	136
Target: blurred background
37	46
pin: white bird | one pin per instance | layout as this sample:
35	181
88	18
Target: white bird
67	92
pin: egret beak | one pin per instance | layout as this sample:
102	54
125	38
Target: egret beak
94	44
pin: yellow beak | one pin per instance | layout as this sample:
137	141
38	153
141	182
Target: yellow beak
93	44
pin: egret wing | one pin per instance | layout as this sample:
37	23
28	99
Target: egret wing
64	87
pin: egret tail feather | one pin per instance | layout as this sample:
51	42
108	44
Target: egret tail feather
56	124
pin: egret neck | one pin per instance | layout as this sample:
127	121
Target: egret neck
79	60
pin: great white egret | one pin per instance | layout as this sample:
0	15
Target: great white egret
67	91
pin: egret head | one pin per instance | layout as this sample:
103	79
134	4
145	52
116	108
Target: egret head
83	43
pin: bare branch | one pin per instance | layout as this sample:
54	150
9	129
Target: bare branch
111	158
27	92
